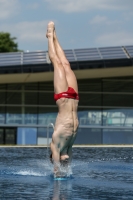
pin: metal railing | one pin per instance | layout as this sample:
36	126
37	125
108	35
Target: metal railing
51	124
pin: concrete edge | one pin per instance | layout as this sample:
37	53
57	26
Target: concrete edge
74	146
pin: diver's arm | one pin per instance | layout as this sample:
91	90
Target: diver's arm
55	158
70	154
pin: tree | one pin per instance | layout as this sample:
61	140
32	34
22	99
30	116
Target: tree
7	43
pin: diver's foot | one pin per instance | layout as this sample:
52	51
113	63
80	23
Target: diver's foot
64	157
55	37
50	29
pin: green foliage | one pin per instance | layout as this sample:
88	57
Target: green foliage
7	43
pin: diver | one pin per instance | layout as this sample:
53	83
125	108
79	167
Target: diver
67	98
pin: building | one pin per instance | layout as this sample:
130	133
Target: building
105	79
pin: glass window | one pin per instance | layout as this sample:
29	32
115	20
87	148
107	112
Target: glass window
10	135
90	85
112	85
13	115
27	136
14	86
118	117
46	86
44	135
14	98
89	136
89	99
47	115
2	97
2	114
120	100
46	98
89	117
30	116
31	98
31	86
117	136
3	86
2	136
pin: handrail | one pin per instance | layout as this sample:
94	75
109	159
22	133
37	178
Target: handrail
48	126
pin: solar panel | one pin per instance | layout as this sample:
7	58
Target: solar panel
69	55
31	54
112	52
68	51
129	50
8	59
30	62
10	54
86	50
19	58
77	55
87	58
9	64
34	57
87	54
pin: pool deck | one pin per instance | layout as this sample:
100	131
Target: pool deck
74	146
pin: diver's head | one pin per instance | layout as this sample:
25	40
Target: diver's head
50	157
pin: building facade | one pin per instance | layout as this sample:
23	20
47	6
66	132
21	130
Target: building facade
28	110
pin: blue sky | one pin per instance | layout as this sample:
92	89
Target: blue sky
79	23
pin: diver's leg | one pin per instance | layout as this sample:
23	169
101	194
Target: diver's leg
60	81
70	76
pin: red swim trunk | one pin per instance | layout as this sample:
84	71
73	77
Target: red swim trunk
70	93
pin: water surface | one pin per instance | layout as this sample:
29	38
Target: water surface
97	174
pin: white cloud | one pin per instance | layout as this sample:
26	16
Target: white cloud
27	31
8	8
85	5
111	32
33	6
103	20
115	38
99	19
31	30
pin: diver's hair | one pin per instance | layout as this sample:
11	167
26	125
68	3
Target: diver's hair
51	160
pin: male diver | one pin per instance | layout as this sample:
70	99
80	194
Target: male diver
66	97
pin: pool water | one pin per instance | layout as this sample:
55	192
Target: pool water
97	174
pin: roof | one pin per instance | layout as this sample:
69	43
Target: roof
89	58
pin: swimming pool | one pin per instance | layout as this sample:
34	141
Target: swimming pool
97	173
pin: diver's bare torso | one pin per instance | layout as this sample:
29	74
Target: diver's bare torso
65	126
